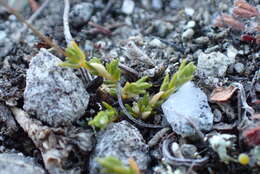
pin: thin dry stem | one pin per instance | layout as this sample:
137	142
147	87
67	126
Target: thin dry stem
34	30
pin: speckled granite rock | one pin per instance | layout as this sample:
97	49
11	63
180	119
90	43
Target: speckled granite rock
55	94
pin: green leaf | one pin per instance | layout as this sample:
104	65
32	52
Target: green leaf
76	58
165	83
112	165
135	88
184	74
114	70
103	118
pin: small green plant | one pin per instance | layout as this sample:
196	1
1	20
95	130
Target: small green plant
112	165
103	118
145	106
76	58
135	88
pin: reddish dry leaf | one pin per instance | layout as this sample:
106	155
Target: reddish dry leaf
244	5
256	116
243	13
225	20
252	136
34	5
221	94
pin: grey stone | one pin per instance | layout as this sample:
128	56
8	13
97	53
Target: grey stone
239	68
121	140
162	28
81	13
157	43
231	52
7	123
202	40
214	64
16	163
188	34
2	35
157	4
54	93
190	24
188	150
128	6
188	104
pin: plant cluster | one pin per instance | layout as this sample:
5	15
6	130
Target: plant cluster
144	103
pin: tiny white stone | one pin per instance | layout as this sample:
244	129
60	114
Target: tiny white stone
128	6
189	11
188	34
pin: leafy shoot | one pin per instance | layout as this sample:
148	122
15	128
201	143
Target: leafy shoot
112	165
103	118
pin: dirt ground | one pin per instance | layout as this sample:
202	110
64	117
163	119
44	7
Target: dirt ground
162	33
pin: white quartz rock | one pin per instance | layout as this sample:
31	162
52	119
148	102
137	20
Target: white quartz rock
188	104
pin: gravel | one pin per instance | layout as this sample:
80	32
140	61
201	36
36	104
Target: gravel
55	94
81	13
7	123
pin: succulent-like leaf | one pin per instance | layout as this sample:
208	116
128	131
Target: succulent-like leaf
76	58
114	70
135	88
103	118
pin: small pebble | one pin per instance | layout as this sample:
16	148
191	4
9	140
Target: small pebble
188	150
189	11
2	35
81	13
157	4
128	7
187	34
217	115
202	40
157	43
231	52
239	68
190	24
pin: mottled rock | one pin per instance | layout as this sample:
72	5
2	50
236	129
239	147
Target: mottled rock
214	64
7	123
239	67
16	163
81	13
188	104
188	34
54	93
157	4
121	140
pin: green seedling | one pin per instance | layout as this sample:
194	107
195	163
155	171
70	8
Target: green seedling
103	118
112	165
141	109
134	89
76	58
184	74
